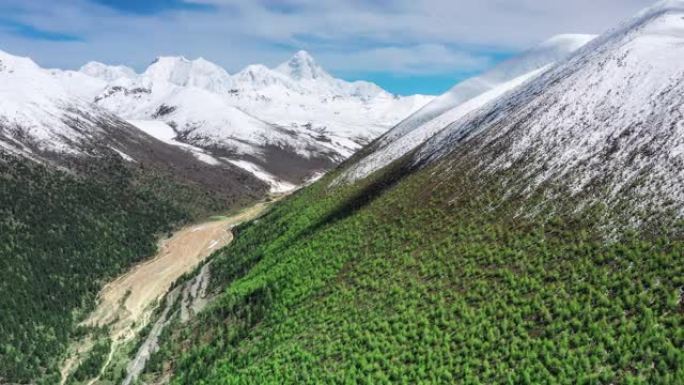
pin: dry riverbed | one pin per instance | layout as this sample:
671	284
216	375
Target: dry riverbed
127	303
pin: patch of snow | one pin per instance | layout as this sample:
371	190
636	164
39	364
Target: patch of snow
125	156
277	186
156	129
166	134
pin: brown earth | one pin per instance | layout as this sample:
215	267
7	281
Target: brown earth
126	304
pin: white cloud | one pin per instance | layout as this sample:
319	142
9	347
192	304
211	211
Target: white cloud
404	36
419	59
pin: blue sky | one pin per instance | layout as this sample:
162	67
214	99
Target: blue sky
151	7
406	46
27	31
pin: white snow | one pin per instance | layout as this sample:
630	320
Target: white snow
157	129
188	73
35	108
462	99
79	84
303	67
277	186
125	156
194	104
612	113
298	107
105	72
166	134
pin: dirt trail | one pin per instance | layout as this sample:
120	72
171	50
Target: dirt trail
125	304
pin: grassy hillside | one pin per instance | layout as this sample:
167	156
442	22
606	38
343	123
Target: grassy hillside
434	279
62	235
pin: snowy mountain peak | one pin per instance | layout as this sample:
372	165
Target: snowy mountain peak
106	72
258	76
302	66
188	73
302	55
11	63
255	69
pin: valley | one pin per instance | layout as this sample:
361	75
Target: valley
126	305
180	224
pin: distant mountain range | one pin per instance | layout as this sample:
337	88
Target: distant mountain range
283	125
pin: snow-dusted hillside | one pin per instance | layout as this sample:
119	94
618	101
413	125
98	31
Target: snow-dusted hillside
38	114
459	101
283	125
607	124
43	118
292	122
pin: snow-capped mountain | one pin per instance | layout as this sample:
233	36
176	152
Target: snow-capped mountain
605	125
107	73
290	122
37	114
79	84
180	71
41	119
463	98
258	77
303	67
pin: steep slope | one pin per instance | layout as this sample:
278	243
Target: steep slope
62	237
464	262
34	107
459	101
607	124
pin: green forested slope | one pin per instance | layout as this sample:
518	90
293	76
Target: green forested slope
61	236
434	280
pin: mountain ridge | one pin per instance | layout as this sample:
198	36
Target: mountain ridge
535	237
297	113
635	139
462	98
